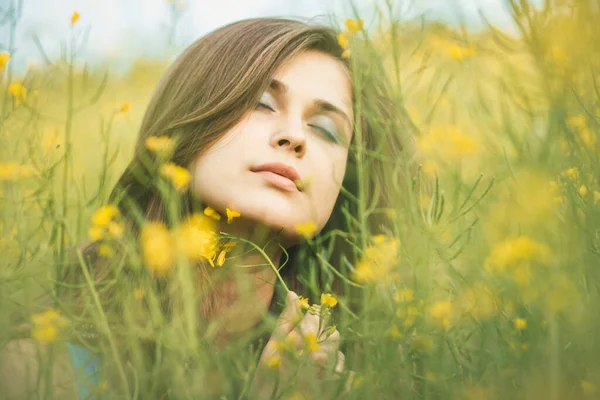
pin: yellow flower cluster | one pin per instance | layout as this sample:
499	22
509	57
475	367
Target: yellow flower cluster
377	259
516	255
195	238
441	311
343	38
11	171
105	226
47	326
179	176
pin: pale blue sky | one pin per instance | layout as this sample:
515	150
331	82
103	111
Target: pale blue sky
123	30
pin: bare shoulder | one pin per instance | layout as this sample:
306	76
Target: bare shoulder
31	370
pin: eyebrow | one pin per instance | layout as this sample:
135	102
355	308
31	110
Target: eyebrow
281	88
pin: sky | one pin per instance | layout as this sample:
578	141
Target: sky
124	30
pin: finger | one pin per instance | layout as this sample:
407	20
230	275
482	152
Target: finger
285	324
289	317
341	363
309	324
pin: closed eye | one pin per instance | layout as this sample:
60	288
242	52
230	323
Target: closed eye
265	106
325	132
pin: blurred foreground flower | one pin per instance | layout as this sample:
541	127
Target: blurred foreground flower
4	59
18	91
516	255
160	145
158	252
11	171
377	259
307	229
47	326
179	176
196	238
75	17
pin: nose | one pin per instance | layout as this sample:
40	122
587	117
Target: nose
290	139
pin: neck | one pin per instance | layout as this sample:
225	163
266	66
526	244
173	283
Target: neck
244	286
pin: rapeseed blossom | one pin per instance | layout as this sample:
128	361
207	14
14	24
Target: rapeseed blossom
179	176
47	326
231	214
161	145
158	252
308	229
196	238
328	300
377	259
212	213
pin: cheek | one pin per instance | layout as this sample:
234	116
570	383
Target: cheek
327	180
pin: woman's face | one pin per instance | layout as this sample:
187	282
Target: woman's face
300	131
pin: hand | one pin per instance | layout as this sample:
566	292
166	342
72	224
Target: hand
302	335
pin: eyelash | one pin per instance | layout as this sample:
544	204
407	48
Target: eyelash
324	131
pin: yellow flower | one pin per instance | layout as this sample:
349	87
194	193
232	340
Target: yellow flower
328	300
157	248
273	362
583	190
307	229
343	41
104	215
354	26
520	324
231	215
116	230
47	325
405	295
221	258
179	176
105	250
572	173
45	334
159	144
18	91
377	260
441	309
96	233
75	17
311	343
211	212
4	59
459	53
124	107
517	252
303	303
196	238
347	53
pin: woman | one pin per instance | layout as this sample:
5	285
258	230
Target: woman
263	115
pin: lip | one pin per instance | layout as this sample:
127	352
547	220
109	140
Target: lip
280	175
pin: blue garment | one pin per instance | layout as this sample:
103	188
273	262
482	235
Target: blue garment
87	370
